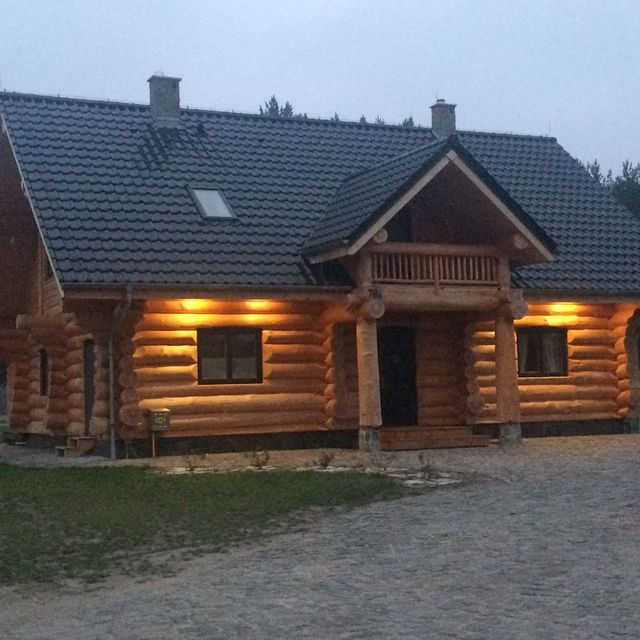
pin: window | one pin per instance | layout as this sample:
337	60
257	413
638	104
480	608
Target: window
44	372
229	354
212	203
542	351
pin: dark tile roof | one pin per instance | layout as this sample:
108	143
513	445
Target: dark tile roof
111	194
362	195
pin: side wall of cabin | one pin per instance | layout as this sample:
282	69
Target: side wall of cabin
160	369
598	386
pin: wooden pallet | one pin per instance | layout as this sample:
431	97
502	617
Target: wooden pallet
76	446
411	438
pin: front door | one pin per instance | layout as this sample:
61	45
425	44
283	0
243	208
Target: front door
397	360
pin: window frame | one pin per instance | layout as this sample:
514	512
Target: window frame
193	189
541	331
228	333
45	372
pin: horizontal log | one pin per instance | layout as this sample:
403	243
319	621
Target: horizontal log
567	392
99	425
432	249
238	404
251	429
160	361
101	408
598	337
160	321
166	338
426	298
591	352
293	353
171	390
56	420
207	306
562	407
75	413
173	375
591	365
587	415
571	308
130	415
305	370
566	322
248	421
293	337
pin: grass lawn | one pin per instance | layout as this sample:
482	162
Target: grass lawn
85	523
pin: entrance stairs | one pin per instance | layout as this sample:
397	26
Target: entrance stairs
412	438
76	446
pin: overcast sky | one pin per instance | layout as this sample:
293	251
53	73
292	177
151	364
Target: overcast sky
570	68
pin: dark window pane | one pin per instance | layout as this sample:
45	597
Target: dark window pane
553	353
244	356
213	356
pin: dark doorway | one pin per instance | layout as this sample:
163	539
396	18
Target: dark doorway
89	349
398	394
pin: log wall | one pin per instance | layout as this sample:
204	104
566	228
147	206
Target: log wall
440	379
161	372
598	383
59	411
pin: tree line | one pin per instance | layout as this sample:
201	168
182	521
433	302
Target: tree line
272	107
625	186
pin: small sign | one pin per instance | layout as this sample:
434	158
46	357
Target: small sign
159	419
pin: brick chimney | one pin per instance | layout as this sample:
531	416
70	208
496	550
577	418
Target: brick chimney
164	100
443	118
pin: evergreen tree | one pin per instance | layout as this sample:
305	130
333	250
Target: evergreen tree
363	120
379	120
335	118
287	110
408	122
271	107
625	187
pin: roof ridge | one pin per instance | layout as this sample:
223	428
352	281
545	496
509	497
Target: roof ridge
4	93
506	134
417	149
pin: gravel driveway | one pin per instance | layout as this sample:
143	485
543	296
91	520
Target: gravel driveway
543	543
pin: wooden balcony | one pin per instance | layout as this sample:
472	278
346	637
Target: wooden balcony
436	265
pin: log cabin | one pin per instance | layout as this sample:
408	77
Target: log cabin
266	280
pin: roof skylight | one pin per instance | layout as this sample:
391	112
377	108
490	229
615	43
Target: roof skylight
212	203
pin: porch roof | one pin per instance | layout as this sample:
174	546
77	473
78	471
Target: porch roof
362	198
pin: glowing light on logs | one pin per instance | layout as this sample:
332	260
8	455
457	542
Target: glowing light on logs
564	307
258	305
193	304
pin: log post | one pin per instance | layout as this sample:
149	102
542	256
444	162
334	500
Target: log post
507	399
370	416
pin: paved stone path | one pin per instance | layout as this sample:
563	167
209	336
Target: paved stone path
547	547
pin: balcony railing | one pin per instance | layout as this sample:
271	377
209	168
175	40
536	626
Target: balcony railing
439	265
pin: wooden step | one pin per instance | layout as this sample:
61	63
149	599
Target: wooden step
412	438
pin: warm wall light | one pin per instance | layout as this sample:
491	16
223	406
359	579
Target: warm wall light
258	305
193	304
563	307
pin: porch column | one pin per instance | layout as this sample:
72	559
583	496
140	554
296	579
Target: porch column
370	416
507	397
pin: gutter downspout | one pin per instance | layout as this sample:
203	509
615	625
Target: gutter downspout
119	313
